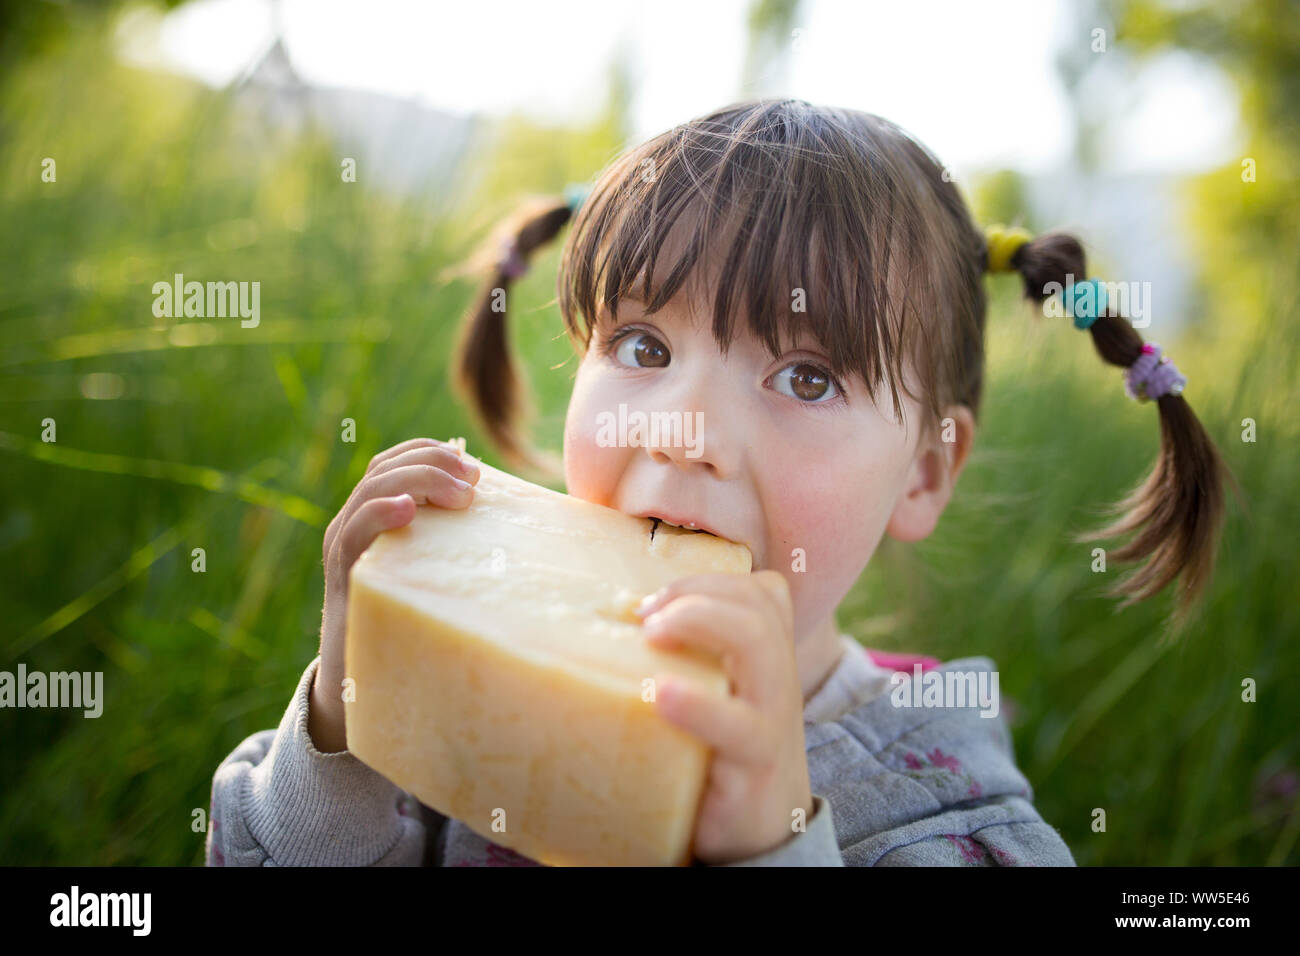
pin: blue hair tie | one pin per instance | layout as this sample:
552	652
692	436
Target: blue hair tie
1085	301
575	194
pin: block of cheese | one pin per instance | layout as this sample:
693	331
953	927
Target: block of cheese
501	676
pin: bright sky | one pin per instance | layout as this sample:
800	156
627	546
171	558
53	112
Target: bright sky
974	81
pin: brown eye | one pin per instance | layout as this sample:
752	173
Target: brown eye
807	383
640	349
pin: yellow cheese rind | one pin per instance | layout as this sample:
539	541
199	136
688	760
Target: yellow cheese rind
499	673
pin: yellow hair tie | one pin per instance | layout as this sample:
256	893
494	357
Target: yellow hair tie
1002	244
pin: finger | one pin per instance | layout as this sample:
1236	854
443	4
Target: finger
739	588
777	589
729	725
443	457
733	632
349	506
425	483
330	531
375	516
766	591
401	447
721	585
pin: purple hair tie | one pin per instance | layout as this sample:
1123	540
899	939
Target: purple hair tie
511	262
1152	375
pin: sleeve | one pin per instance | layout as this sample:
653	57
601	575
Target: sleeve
929	786
815	846
999	827
999	832
278	801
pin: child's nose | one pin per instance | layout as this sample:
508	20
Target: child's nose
704	429
691	441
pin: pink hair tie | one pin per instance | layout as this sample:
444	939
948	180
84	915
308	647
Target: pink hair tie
1152	375
511	263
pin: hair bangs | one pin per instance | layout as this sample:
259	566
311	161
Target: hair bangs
763	209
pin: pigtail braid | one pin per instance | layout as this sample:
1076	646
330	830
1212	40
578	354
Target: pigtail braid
484	373
1176	513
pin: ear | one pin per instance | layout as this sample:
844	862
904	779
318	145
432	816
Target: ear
933	474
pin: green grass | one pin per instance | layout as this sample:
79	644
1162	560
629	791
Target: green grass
230	441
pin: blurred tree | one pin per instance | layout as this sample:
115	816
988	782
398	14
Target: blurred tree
1001	197
1244	218
1089	43
1257	42
29	28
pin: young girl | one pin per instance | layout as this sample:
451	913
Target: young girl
808	284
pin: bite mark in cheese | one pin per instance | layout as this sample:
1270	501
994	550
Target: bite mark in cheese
500	672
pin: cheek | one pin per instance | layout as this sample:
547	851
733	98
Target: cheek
590	471
836	521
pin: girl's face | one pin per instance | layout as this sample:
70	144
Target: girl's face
805	471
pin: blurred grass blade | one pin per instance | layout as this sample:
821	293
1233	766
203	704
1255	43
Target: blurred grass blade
139	562
199	476
1286	842
234	637
1103	698
192	335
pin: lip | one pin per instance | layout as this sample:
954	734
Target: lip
684	521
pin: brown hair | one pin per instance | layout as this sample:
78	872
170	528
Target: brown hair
1177	510
483	372
781	195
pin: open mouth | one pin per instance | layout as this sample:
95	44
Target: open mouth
656	522
685	527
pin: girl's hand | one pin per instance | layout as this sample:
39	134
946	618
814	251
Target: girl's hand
421	470
759	773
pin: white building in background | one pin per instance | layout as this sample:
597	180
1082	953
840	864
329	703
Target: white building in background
1130	224
400	146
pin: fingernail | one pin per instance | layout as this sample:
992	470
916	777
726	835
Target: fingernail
467	467
648	603
462	485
